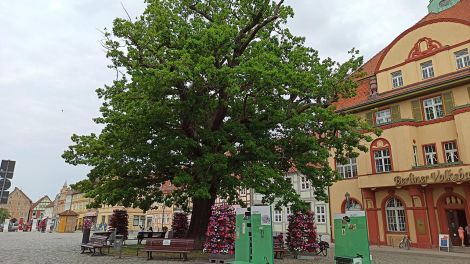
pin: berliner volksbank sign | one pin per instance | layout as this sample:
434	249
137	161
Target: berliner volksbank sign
445	176
6	174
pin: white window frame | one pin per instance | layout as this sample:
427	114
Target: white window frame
451	152
349	170
382	160
396	216
430	154
433	108
166	219
462	59
397	79
427	70
320	214
277	216
288	212
383	116
304	183
140	220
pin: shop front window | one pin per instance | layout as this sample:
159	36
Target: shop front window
395	211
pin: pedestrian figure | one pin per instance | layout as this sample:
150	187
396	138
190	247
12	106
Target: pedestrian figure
461	234
467	231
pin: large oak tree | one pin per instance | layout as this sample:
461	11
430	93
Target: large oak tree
215	96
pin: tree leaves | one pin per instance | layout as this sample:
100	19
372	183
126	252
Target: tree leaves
215	96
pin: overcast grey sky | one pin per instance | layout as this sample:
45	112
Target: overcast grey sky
51	62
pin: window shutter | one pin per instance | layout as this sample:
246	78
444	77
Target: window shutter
396	116
416	109
369	118
448	101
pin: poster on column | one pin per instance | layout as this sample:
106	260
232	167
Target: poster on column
34	226
6	225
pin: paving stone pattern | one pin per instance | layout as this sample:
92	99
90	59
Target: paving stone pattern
54	248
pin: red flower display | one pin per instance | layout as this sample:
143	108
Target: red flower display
220	235
302	233
179	225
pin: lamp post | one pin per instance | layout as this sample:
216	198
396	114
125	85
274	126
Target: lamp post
348	201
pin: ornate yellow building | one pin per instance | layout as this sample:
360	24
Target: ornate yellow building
415	180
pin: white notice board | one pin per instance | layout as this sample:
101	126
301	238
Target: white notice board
444	242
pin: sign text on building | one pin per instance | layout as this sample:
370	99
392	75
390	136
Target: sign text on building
434	177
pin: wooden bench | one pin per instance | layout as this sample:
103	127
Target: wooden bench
181	246
144	235
96	241
279	249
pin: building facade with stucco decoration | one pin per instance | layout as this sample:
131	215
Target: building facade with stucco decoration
415	179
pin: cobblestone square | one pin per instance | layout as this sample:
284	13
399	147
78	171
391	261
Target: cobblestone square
54	248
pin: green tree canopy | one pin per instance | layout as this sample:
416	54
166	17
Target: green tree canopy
4	214
215	96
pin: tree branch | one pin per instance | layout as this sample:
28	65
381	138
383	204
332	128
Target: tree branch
253	28
205	15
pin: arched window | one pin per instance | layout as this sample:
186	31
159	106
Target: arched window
381	156
395	210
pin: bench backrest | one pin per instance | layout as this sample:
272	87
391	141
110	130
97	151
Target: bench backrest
173	244
97	239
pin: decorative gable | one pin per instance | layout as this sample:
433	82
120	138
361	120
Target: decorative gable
423	47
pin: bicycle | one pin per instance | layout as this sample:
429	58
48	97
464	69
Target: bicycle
322	247
405	243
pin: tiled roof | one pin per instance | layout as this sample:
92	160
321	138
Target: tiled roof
68	213
460	11
416	86
362	91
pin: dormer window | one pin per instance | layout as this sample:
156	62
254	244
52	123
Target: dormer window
397	79
462	59
427	70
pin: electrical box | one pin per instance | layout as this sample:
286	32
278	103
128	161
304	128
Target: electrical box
351	238
254	236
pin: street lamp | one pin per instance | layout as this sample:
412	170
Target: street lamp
348	201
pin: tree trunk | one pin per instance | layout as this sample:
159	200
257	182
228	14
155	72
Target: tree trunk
199	219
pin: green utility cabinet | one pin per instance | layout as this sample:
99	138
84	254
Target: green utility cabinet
351	238
254	236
